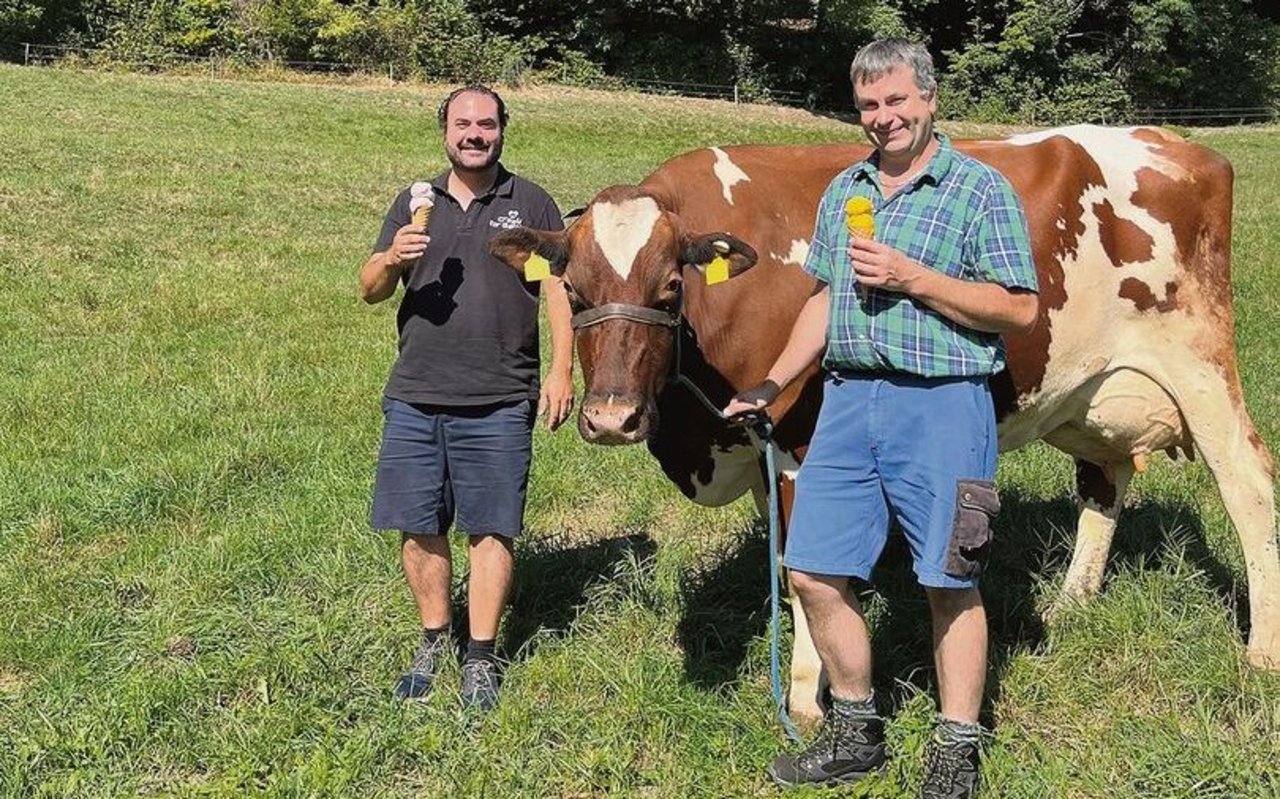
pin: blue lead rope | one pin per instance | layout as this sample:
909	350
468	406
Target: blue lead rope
763	428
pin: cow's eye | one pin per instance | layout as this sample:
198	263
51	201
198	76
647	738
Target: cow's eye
576	303
669	298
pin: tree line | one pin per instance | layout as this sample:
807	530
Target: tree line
1000	60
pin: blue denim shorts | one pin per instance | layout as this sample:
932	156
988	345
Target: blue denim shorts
439	462
919	451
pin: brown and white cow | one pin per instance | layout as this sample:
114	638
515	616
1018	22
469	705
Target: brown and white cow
1133	352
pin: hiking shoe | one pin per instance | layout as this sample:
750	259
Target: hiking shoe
415	684
848	748
950	769
479	685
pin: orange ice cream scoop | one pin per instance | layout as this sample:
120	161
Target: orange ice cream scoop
857	216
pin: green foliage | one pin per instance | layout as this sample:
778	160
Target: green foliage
1099	60
19	19
1030	61
572	68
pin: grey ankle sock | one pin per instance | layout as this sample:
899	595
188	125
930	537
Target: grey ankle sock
854	707
957	732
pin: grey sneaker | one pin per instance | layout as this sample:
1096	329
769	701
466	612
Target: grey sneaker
950	769
848	748
480	684
416	683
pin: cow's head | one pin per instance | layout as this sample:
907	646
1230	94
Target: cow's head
624	263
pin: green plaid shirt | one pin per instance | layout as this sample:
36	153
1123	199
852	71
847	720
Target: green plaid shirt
958	216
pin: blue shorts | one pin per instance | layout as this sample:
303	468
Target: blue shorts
436	460
920	451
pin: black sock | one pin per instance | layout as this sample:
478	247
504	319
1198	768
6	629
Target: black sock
481	650
433	635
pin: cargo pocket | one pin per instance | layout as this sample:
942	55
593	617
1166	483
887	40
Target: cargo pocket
976	505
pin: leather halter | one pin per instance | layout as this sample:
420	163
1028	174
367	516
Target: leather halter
622	310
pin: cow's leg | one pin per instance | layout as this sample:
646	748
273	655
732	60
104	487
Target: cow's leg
1100	495
808	678
1242	467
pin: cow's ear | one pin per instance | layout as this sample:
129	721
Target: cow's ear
516	247
700	251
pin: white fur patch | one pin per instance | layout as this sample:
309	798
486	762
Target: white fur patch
728	173
796	257
735	472
623	229
1116	150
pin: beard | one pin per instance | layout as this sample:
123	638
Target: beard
457	156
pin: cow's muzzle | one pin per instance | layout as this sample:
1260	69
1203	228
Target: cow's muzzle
614	419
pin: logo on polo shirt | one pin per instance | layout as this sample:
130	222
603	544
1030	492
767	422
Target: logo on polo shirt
508	221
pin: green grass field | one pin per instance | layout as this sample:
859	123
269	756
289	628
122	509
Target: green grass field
191	603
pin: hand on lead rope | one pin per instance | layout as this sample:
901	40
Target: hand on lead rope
753	400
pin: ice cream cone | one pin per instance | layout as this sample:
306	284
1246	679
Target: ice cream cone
421	203
857	216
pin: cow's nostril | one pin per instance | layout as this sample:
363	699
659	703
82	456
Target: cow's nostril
632	422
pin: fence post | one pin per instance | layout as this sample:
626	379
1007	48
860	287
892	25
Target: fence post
735	92
391	73
26	53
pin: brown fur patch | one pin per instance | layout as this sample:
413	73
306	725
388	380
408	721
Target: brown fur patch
1059	169
1140	294
1122	240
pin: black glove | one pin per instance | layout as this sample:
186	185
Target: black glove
759	398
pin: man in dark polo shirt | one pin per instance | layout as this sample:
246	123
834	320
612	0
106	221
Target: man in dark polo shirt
460	401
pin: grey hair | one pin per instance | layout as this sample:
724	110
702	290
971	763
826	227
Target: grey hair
884	55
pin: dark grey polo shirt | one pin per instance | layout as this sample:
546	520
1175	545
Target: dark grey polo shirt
468	322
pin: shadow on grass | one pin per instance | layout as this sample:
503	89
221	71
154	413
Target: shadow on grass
552	577
726	604
1034	542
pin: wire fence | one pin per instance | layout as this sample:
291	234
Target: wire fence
47	54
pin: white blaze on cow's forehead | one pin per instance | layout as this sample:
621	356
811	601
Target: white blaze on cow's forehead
622	229
799	252
728	173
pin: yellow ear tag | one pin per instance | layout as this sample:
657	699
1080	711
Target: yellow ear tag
717	270
536	268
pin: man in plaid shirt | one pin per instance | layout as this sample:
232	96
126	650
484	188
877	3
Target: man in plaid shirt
910	316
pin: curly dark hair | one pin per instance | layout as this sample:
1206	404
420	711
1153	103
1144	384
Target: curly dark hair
475	88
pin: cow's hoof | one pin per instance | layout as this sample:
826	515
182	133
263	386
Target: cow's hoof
1066	602
806	713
